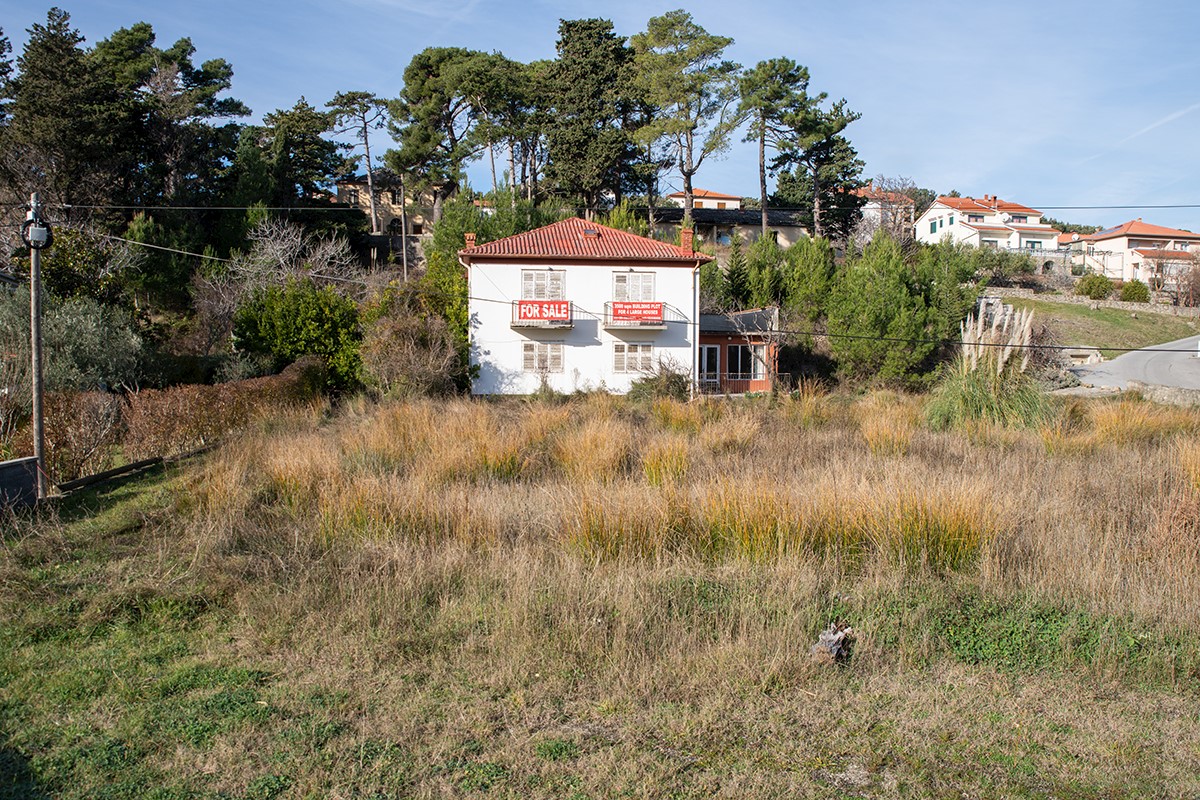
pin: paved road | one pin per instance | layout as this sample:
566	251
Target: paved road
1174	369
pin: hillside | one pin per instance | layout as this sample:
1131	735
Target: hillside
594	598
1111	329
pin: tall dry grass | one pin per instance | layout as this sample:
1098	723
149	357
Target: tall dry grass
868	491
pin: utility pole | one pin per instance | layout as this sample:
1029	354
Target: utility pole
37	236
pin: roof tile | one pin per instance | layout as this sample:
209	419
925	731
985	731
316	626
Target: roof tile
578	239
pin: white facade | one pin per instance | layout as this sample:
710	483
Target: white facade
985	222
1140	251
590	349
702	198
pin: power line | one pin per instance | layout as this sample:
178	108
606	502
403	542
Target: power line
206	208
770	332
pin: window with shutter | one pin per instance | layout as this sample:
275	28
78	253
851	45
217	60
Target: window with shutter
542	357
543	284
633	357
633	287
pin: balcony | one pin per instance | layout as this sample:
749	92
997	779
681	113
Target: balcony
556	314
634	316
733	383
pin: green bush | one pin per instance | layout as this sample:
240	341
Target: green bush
1135	292
300	319
979	395
1095	286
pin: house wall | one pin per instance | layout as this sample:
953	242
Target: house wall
387	206
588	347
732	385
1116	258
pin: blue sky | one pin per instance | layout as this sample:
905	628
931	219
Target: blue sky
1049	104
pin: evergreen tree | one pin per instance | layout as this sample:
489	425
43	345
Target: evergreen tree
70	128
737	276
875	301
772	93
585	89
680	71
823	184
434	121
808	277
765	273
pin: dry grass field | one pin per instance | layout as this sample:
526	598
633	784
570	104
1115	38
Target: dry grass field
596	599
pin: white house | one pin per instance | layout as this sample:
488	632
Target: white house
579	306
703	198
1138	250
889	211
986	222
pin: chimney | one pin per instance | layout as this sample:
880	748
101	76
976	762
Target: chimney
470	237
685	238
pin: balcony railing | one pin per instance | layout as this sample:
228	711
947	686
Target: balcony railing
543	314
635	315
733	383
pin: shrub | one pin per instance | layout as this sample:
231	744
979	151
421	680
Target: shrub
666	381
1095	286
1135	292
82	430
299	319
185	418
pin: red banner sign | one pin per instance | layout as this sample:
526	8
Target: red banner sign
543	311
637	312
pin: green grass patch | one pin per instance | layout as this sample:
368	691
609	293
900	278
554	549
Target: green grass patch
1079	325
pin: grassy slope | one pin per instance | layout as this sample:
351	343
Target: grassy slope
1074	324
144	657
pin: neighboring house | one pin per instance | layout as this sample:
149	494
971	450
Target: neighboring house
889	211
719	227
702	198
354	192
986	222
576	306
1140	251
739	351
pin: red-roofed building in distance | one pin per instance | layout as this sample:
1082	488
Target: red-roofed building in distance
1140	251
703	198
986	221
886	210
577	306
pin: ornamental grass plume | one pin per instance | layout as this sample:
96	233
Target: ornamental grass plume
989	382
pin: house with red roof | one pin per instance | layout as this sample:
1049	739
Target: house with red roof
577	306
986	221
1137	250
882	209
703	198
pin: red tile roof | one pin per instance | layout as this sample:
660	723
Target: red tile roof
871	193
1170	255
1067	238
986	203
706	193
573	239
1135	227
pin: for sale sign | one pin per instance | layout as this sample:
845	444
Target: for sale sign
637	312
544	311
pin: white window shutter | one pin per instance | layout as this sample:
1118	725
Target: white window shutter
529	363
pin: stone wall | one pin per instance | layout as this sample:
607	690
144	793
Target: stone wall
1074	299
